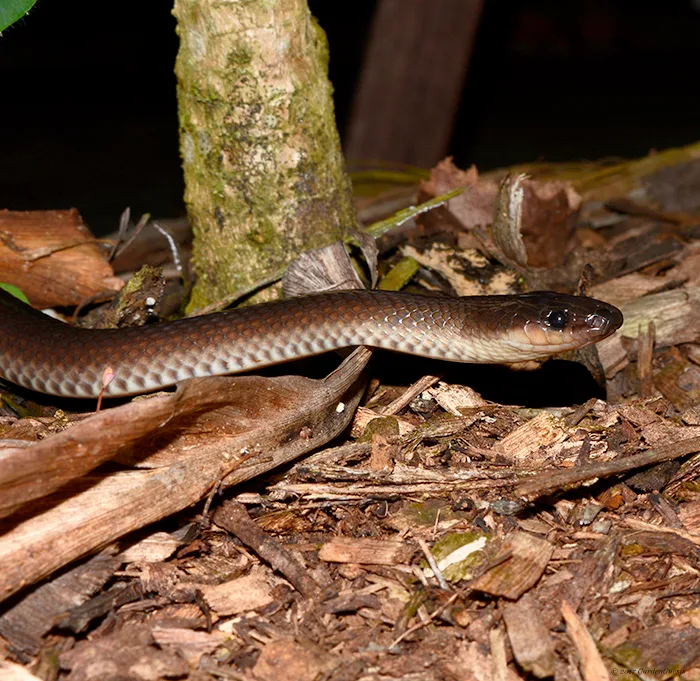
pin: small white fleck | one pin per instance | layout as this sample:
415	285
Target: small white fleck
340	408
150	301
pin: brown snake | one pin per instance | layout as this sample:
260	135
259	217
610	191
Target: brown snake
42	354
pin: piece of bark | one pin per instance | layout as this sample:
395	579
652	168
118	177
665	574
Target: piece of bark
592	574
24	624
118	654
190	645
645	351
473	664
668	651
455	399
623	290
676	317
249	592
560	479
527	444
53	258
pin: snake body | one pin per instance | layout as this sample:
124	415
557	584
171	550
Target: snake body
48	356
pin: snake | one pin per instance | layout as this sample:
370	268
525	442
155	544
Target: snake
48	356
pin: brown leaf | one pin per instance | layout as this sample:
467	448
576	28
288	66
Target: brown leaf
472	207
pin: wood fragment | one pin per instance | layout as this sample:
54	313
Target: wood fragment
293	660
249	592
410	394
527	443
498	655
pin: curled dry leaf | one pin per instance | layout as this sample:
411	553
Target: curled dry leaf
507	220
532	221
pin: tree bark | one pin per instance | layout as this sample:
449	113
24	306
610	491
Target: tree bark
264	173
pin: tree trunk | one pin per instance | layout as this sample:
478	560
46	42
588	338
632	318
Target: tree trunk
264	173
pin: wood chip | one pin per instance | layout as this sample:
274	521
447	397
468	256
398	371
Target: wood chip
521	560
287	659
250	592
366	551
526	444
456	398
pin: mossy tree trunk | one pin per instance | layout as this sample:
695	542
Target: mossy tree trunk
264	172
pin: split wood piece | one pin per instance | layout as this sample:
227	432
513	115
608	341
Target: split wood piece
526	445
297	661
364	416
645	352
189	645
676	317
402	480
659	652
53	258
260	424
24	624
234	518
253	591
409	394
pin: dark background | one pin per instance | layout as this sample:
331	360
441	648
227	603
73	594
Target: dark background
88	111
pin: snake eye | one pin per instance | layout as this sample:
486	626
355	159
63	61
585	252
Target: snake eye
556	319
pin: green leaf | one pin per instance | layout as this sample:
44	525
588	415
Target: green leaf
13	290
11	10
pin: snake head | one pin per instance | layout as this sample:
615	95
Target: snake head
548	323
